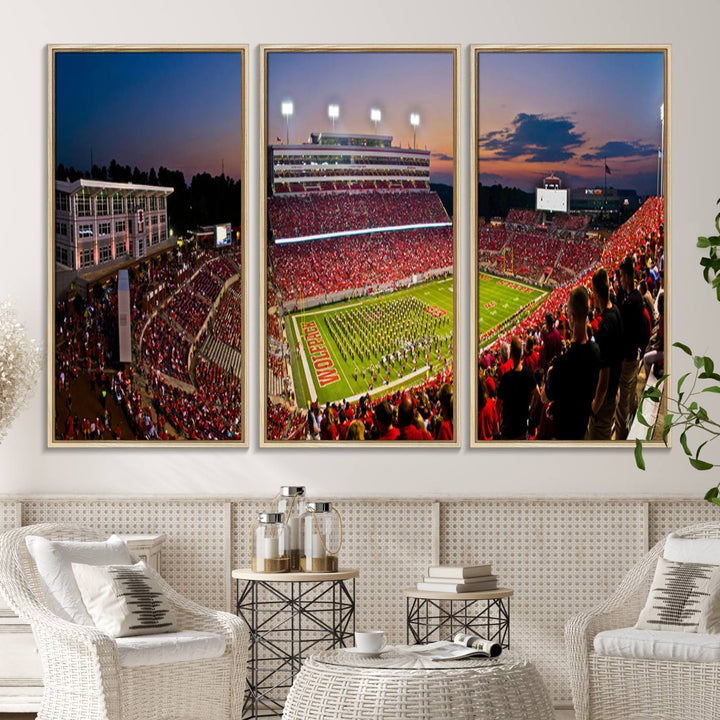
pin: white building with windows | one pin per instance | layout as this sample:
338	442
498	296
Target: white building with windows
98	222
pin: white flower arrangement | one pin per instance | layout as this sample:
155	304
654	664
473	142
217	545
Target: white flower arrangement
20	359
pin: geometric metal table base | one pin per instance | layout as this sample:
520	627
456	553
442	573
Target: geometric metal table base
430	619
288	618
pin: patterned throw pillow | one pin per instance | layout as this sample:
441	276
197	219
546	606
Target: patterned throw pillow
124	600
684	597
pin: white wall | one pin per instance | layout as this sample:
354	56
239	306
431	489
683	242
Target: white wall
26	466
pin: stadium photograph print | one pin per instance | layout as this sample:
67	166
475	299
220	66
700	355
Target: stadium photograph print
146	248
358	177
570	250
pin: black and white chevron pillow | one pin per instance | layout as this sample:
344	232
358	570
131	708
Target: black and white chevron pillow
684	597
124	600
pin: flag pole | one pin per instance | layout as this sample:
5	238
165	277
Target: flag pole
605	169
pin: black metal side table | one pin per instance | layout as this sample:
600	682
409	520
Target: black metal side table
438	615
289	615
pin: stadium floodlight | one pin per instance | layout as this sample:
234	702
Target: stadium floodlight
414	121
376	117
333	113
287	109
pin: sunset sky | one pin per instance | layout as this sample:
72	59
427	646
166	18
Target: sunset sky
397	83
566	112
182	110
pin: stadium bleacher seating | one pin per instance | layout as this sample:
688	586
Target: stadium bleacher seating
336	264
307	214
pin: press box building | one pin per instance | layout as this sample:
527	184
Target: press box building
98	222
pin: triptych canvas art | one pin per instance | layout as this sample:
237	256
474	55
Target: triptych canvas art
359	200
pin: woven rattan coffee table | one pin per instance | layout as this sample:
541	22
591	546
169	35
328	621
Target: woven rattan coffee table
339	685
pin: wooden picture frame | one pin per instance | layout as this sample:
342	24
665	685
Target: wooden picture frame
337	79
513	132
155	287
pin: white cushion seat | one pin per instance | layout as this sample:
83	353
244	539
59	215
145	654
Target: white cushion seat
658	645
165	648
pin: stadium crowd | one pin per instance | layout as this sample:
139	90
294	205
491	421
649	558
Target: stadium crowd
559	222
534	252
316	213
357	262
227	323
569	371
153	404
421	413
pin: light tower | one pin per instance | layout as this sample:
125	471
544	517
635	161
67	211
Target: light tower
376	117
333	113
414	121
286	109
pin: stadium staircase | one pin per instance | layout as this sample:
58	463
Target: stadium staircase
220	353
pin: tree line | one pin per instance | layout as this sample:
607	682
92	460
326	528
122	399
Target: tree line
207	200
497	200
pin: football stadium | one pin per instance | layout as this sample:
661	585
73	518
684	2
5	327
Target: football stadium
359	291
149	332
530	264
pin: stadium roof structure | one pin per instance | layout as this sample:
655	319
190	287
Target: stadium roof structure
351	139
96	187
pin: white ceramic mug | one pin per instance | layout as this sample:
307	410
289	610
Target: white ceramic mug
373	641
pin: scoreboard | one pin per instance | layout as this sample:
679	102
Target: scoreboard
551	199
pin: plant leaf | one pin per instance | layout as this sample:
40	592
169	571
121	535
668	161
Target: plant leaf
712	389
639	461
681	381
684	443
713	492
708	364
642	420
700	447
667	426
698	361
701	464
683	347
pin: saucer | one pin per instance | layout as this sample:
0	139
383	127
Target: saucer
360	653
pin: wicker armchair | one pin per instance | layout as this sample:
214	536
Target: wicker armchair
81	671
614	688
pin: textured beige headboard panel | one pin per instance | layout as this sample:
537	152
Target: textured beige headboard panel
560	556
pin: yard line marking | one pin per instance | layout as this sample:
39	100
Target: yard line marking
386	388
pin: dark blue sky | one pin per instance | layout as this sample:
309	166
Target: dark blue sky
182	110
568	111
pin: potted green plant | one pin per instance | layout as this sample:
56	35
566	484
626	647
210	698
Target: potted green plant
684	410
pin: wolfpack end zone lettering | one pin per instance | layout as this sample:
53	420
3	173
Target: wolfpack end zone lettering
321	360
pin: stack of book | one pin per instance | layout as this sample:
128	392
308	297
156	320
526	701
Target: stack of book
458	579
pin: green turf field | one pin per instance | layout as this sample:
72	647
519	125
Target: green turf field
500	298
364	326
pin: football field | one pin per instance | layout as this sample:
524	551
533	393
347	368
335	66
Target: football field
372	344
500	298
